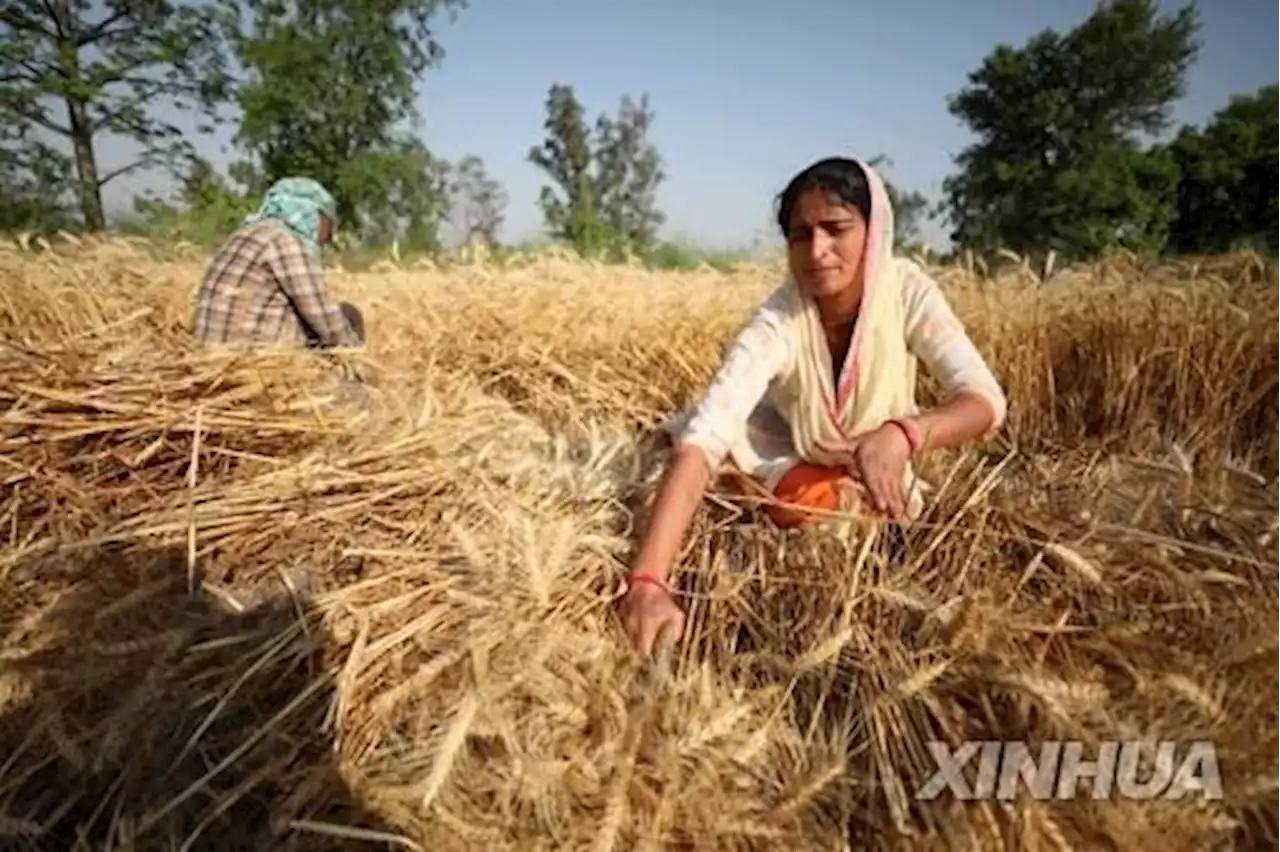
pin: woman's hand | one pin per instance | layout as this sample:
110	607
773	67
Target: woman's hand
876	460
647	610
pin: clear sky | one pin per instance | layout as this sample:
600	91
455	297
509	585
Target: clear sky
746	92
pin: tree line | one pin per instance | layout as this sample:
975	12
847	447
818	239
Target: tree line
1073	149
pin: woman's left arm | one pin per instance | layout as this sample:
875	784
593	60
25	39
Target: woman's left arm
974	405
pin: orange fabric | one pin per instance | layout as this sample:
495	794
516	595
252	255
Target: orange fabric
810	486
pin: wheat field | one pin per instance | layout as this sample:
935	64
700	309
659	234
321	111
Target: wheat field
239	614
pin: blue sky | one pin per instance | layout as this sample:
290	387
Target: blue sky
746	92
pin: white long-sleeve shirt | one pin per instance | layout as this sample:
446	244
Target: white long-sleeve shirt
765	350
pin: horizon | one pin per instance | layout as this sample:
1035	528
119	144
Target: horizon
734	123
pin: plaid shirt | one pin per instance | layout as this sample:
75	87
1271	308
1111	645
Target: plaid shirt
267	285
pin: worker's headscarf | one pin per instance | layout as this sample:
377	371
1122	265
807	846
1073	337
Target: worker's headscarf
298	203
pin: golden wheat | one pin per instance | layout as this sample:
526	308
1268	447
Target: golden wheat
238	615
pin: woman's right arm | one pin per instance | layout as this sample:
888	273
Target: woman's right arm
301	274
683	484
758	354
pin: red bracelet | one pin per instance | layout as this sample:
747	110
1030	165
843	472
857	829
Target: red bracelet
634	578
911	431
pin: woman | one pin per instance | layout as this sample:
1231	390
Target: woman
815	401
266	283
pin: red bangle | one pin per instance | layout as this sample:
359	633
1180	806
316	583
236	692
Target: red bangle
912	433
641	577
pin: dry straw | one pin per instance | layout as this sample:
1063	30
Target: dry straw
239	614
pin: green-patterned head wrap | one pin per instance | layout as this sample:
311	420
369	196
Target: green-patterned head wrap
298	202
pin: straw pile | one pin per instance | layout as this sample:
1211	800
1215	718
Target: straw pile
238	613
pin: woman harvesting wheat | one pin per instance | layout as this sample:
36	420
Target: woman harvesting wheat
815	401
266	283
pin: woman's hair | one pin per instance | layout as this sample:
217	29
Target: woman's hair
840	176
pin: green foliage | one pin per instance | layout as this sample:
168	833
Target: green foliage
910	208
1063	158
477	201
606	205
681	256
566	157
106	66
1058	164
34	190
628	171
203	210
1226	195
329	94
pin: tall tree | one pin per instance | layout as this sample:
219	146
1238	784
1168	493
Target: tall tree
1058	162
567	158
477	201
108	66
397	192
331	93
34	190
628	172
1227	183
607	181
910	208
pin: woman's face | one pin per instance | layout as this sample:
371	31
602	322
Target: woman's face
825	243
324	230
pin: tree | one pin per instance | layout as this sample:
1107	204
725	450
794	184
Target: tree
204	208
607	184
331	94
910	208
1227	183
397	192
109	65
477	201
566	156
1058	162
628	172
34	190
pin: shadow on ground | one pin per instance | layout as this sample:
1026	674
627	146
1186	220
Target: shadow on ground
136	715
